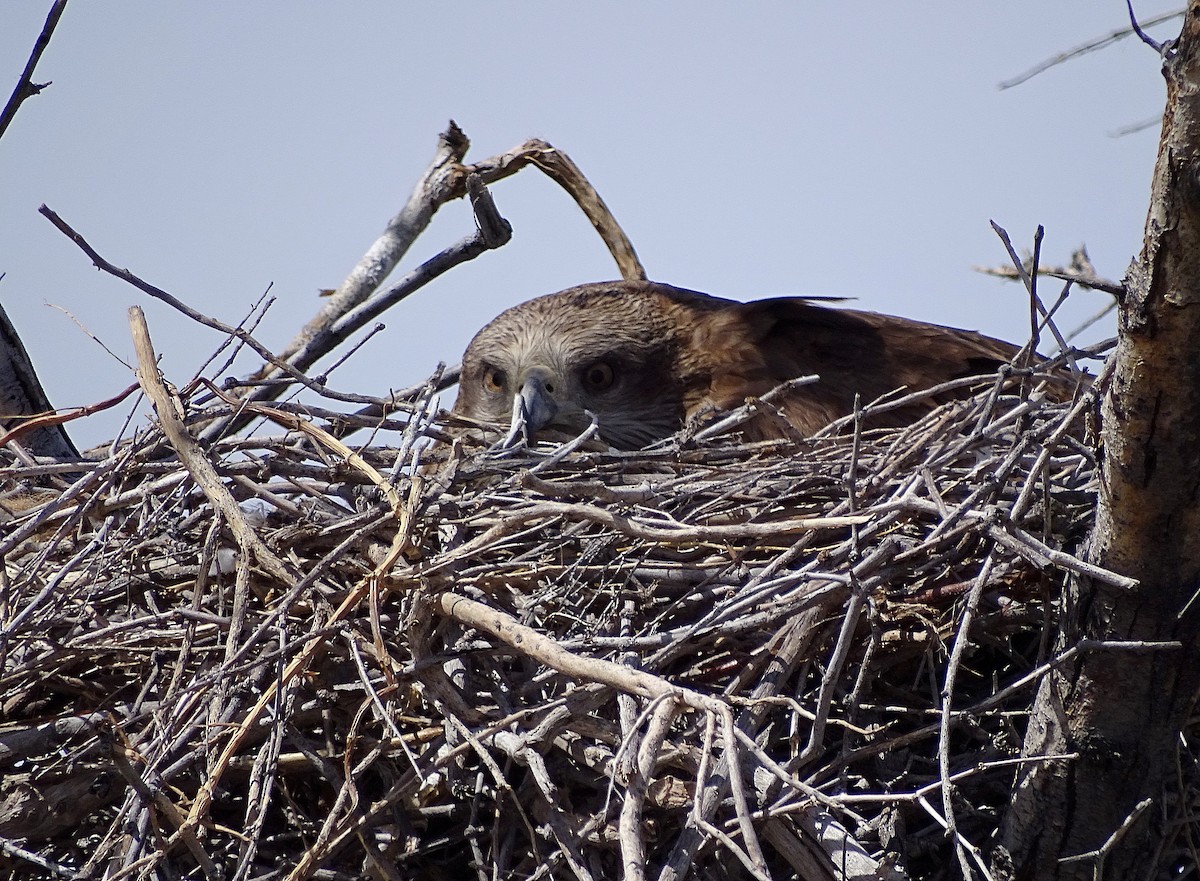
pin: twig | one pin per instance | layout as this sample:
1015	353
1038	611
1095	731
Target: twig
1100	854
317	341
63	416
737	790
1084	279
1084	48
548	652
962	638
633	848
159	294
169	409
963	847
26	87
445	180
1030	281
15	850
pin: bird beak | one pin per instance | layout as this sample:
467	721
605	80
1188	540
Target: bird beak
533	409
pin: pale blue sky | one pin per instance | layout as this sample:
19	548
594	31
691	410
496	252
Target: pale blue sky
748	150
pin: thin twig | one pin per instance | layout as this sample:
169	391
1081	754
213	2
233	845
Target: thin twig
1090	46
26	87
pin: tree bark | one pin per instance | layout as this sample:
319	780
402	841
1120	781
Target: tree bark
21	394
1118	711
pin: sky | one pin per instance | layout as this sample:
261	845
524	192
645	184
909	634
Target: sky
748	150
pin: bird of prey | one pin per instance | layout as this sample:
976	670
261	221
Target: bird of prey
645	357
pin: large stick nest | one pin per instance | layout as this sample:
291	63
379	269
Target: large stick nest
713	657
239	649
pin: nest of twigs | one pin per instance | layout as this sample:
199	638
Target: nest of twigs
724	659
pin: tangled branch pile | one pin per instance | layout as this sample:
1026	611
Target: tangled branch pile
713	658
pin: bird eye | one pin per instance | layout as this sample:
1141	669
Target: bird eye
598	377
495	379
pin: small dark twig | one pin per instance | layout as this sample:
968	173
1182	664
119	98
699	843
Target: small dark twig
378	328
26	87
1035	304
158	293
295	373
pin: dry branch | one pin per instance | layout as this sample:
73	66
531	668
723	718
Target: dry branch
447	178
26	87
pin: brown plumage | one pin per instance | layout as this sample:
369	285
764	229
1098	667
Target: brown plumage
645	357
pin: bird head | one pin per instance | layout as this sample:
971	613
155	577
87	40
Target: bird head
550	362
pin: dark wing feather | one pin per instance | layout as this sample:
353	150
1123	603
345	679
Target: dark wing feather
755	346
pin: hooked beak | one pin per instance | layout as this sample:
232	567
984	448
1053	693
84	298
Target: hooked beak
533	409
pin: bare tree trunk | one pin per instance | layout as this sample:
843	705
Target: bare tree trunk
1120	711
